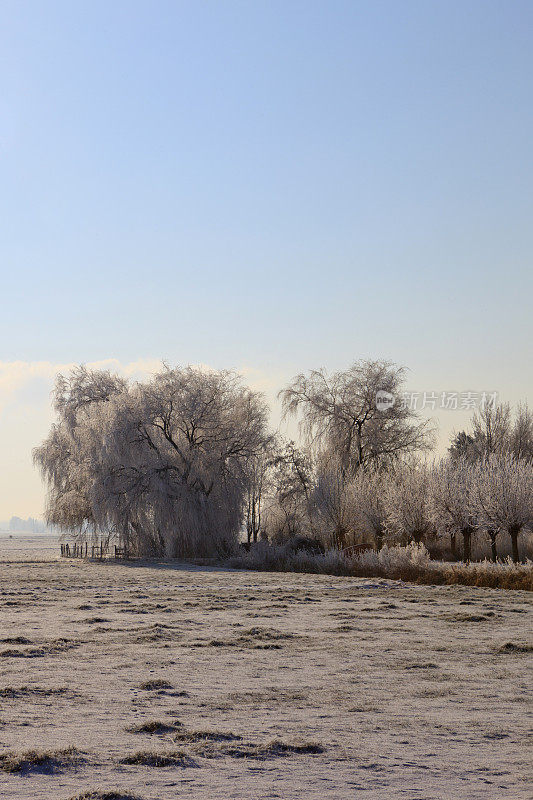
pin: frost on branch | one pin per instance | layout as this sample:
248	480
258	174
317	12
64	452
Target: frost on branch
164	465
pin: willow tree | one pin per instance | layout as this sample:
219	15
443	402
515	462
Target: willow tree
67	458
340	413
163	464
177	452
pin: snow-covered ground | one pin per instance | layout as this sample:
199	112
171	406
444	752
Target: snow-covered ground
408	692
31	547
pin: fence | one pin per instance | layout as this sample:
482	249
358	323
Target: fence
100	551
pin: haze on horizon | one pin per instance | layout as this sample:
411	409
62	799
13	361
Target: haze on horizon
268	187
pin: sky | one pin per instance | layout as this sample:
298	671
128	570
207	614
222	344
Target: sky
265	186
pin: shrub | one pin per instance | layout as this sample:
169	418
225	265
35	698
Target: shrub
393	558
410	563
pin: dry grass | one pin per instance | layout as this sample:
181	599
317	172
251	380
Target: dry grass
154	726
147	758
49	648
98	795
36	691
411	564
47	761
252	639
205	736
16	640
279	748
219	744
206	748
516	647
155	685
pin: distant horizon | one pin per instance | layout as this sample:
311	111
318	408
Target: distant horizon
14	534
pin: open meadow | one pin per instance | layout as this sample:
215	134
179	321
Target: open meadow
159	680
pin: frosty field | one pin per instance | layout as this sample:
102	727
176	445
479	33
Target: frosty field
259	685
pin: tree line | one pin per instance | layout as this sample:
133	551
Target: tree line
184	463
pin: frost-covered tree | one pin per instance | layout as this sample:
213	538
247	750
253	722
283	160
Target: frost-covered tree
163	464
339	414
259	485
178	452
68	456
491	429
454	499
331	503
495	430
408	504
521	444
370	491
505	496
293	478
464	447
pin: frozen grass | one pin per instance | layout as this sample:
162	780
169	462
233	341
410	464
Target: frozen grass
98	795
205	736
50	648
252	639
155	685
36	691
516	647
279	748
217	744
375	686
411	563
154	726
260	752
15	640
150	758
46	761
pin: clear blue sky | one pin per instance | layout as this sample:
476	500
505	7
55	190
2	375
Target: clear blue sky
268	185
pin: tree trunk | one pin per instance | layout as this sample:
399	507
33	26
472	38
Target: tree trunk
494	552
340	536
256	520
467	545
249	522
379	540
513	533
453	545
